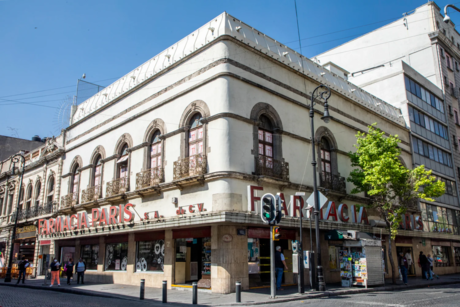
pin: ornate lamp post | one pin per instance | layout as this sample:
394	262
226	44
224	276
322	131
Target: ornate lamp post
322	93
15	159
446	17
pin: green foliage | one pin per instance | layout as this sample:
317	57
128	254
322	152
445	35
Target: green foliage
391	186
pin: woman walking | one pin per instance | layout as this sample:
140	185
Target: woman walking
430	260
55	267
69	270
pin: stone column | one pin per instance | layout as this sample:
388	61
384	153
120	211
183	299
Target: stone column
77	251
131	253
229	260
169	258
101	256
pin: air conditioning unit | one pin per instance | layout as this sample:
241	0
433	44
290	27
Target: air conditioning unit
352	234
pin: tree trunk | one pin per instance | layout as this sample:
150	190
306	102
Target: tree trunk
390	255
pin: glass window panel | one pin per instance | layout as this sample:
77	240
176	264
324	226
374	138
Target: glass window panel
261	135
192	136
261	149
268	151
200	133
416	117
200	147
159	161
423	94
327	156
436	128
415	145
150	256
440	156
420	146
434	214
159	148
433	100
322	154
427	123
432	126
116	256
153	162
425	150
430	148
411	113
153	150
412	87
418	91
269	163
90	254
407	82
268	137
192	150
328	167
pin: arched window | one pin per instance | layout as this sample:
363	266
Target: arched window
97	172
195	136
37	193
2	199
28	197
265	142
75	182
155	150
50	195
122	163
21	199
326	159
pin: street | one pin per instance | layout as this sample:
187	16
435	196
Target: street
432	296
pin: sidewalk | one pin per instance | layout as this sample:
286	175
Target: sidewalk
250	297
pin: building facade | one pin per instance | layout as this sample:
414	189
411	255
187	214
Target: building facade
164	169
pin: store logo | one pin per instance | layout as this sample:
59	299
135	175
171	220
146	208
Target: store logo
99	217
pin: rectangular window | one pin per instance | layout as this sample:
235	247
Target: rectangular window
150	256
411	113
441	256
431	125
433	100
423	94
116	256
441	156
418	92
407	82
90	254
420	147
436	128
425	150
412	87
427	122
416	117
449	65
456	116
430	148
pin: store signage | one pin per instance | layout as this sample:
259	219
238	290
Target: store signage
358	215
190	209
99	217
30	228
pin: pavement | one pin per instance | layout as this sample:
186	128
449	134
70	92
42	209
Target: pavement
259	296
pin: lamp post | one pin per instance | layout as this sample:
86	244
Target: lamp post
15	159
322	92
446	17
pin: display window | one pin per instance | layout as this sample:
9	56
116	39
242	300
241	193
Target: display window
441	256
457	256
150	256
116	256
333	257
90	254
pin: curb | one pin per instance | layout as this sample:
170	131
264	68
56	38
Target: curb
272	301
339	293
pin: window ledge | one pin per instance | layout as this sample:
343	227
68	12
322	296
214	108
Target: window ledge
150	272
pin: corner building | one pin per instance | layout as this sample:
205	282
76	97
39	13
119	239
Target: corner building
166	165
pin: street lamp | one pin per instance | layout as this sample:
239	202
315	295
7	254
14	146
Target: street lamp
446	17
15	159
322	93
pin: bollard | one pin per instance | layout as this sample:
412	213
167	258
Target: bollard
165	294
238	291
142	289
195	293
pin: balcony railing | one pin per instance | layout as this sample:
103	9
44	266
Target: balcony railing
190	166
35	211
149	178
272	168
117	186
91	194
69	200
333	182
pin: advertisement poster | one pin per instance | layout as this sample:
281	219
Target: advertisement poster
117	264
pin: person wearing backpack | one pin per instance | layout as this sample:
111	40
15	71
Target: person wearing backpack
23	265
68	268
55	267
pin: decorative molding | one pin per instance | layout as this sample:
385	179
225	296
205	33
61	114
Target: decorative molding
124	139
86	167
197	106
99	150
141	145
116	156
156	124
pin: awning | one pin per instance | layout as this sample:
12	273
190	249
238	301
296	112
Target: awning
334	235
123	159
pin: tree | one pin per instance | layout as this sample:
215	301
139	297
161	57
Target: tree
391	187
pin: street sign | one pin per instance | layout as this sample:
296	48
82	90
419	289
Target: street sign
321	199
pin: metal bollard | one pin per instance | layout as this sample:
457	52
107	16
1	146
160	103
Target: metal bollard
165	294
142	289
195	293
238	291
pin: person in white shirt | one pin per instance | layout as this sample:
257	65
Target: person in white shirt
80	269
409	259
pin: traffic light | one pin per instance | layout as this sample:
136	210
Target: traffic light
268	210
276	233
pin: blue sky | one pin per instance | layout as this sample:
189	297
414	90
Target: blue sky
47	45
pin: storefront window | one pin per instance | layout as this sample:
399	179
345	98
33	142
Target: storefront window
253	256
89	254
441	255
457	256
333	257
116	256
150	256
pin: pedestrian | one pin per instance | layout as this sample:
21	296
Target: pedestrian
431	261
69	270
403	266
80	269
55	268
425	265
280	265
23	265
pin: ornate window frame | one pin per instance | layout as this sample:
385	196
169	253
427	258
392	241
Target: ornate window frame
197	106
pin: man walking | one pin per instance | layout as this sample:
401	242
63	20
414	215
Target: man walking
80	269
23	265
280	265
403	266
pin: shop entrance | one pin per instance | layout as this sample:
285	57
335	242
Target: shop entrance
408	250
67	253
259	256
44	262
193	257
